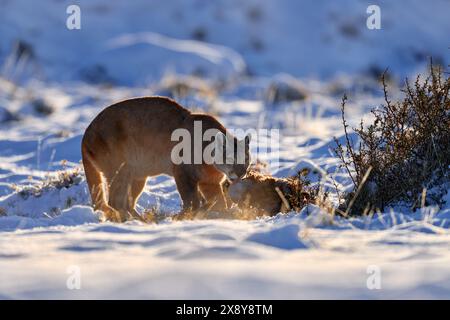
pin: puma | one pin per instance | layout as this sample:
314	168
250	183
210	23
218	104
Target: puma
131	140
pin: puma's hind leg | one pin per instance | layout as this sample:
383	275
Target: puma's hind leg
96	185
137	186
119	192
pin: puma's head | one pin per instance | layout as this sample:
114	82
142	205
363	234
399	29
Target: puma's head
232	155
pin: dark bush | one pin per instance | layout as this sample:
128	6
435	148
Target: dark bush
404	154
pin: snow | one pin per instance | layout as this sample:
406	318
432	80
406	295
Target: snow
279	257
301	38
47	228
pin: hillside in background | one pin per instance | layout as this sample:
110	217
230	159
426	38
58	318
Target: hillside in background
136	44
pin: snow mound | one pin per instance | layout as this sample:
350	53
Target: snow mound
74	216
286	237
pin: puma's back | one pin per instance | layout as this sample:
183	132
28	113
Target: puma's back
136	131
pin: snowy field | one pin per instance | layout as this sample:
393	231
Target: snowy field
54	82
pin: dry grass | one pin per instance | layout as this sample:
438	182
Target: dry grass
153	215
234	213
404	151
63	179
181	87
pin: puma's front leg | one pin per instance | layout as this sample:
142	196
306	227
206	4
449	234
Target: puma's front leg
187	187
214	196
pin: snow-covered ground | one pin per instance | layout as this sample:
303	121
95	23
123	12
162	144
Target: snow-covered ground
284	257
49	233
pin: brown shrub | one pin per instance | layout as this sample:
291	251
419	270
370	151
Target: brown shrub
63	179
404	154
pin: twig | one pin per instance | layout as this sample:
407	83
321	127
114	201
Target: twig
283	198
361	184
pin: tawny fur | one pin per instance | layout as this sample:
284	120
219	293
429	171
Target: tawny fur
258	190
130	141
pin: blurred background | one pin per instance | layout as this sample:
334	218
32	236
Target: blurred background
136	43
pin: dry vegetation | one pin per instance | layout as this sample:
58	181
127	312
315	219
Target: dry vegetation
301	192
153	215
404	155
63	179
